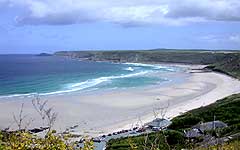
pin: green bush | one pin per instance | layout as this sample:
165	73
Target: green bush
184	122
146	141
174	137
230	130
156	141
23	140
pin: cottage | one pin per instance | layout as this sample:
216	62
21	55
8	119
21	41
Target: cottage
158	123
210	125
199	129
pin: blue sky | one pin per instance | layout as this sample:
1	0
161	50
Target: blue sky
34	26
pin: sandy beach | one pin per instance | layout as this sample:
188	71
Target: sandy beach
101	113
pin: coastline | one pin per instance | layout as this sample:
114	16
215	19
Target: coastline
103	113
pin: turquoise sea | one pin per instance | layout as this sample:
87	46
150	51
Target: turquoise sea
29	74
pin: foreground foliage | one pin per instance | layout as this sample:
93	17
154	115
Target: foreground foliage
234	145
154	141
23	140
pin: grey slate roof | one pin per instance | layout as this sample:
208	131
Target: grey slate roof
199	129
210	125
193	133
160	123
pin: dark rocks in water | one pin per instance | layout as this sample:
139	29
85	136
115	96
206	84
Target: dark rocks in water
44	54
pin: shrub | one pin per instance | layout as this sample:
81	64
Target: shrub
23	140
184	122
174	137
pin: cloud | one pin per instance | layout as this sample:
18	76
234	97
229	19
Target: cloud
235	38
126	13
212	38
231	38
217	10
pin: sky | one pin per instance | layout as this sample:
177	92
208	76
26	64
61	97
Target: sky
34	26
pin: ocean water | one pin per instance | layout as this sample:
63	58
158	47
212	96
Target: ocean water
22	75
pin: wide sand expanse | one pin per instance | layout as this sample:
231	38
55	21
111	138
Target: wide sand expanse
104	112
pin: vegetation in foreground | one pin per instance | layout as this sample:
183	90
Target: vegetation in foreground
226	110
24	140
153	141
233	145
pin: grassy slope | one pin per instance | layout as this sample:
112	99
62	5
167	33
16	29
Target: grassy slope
226	110
229	65
150	141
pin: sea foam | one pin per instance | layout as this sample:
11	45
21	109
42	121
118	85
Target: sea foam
155	66
94	82
129	69
134	70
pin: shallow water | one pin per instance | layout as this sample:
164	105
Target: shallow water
28	74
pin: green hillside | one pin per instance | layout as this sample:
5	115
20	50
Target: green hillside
226	110
151	56
223	61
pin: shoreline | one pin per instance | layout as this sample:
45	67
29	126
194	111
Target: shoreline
206	98
102	113
90	91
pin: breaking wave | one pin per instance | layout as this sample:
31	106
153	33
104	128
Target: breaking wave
82	85
156	66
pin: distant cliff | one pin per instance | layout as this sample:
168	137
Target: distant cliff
223	61
150	56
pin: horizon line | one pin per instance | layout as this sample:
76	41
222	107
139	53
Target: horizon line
169	49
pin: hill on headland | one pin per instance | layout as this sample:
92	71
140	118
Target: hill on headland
44	54
227	62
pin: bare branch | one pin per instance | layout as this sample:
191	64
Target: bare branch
47	114
39	106
19	120
162	111
29	123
